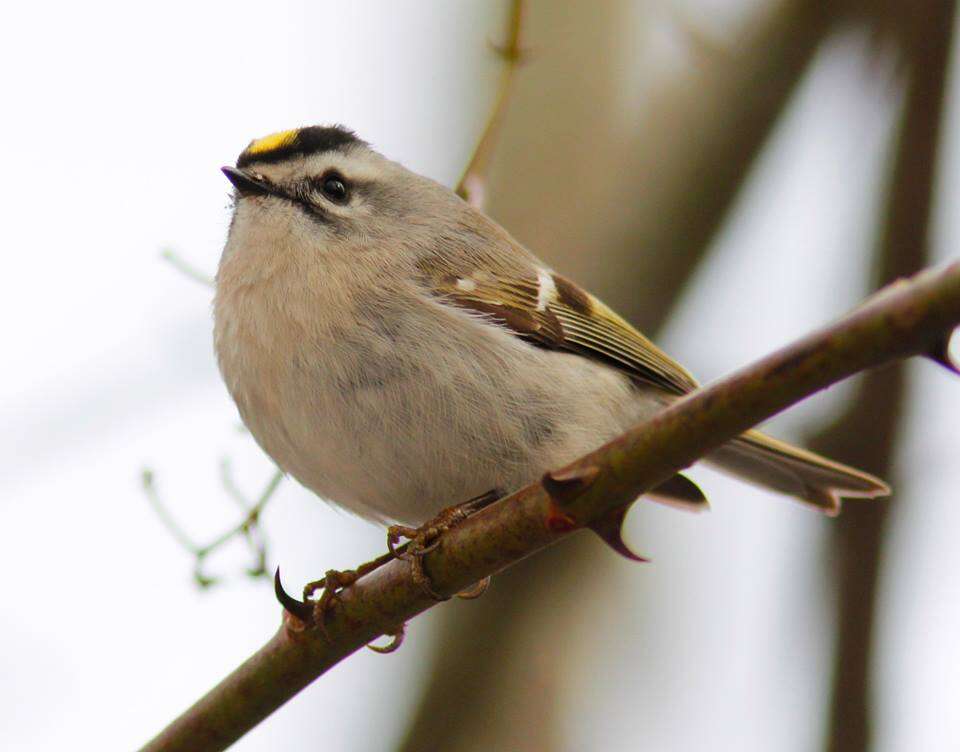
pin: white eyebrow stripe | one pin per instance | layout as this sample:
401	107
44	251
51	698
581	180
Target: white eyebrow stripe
546	289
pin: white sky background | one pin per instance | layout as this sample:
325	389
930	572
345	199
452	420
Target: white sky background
118	117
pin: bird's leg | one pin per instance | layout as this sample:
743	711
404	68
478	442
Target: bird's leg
424	539
335	580
331	584
421	541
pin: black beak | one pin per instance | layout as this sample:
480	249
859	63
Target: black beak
246	184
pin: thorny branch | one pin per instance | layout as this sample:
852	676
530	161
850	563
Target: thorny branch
910	317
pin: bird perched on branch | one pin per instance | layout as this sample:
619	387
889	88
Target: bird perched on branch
397	351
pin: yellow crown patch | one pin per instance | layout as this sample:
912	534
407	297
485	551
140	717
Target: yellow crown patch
273	141
297	143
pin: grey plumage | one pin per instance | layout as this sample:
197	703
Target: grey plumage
399	352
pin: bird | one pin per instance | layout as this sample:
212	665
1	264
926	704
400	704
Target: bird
398	352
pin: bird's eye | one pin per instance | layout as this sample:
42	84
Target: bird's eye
334	187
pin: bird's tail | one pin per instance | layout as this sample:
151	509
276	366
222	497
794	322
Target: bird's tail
806	476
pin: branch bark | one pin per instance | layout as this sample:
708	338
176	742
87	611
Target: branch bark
908	318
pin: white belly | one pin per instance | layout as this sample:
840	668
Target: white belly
415	413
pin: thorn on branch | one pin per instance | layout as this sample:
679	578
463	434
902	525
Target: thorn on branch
570	483
610	529
940	353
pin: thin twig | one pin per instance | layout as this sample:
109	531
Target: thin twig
248	526
472	185
231	487
908	318
149	482
250	519
253	532
186	268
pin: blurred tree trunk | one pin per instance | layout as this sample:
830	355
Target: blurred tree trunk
867	434
623	190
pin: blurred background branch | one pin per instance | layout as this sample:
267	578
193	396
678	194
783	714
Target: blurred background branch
248	528
186	268
472	186
867	434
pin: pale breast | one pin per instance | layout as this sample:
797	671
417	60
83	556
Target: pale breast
406	406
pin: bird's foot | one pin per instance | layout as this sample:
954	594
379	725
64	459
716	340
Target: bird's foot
420	541
329	586
332	583
424	539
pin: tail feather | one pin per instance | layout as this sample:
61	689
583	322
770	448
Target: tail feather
802	474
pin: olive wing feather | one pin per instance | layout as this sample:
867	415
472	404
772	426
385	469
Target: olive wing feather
552	312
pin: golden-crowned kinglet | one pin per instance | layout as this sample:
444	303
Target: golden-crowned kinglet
397	352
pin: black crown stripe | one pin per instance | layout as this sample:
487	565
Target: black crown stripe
314	139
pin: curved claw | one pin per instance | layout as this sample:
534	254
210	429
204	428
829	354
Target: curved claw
397	551
423	551
476	591
303	611
394	644
392	549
